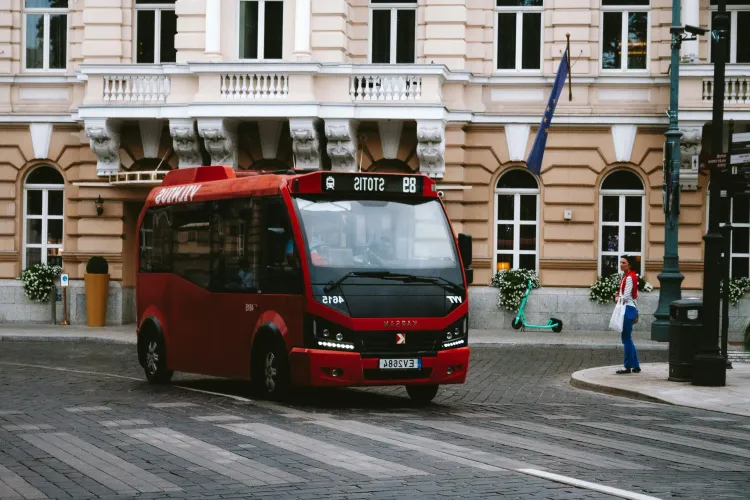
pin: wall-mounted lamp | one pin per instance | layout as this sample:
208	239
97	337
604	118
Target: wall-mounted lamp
99	205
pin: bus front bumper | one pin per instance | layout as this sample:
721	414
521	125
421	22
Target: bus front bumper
313	367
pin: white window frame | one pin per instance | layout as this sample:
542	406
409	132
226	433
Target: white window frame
261	30
621	224
731	234
732	10
44	217
516	223
157	8
519	11
394	8
45	56
625	10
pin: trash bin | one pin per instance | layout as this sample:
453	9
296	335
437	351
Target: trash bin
685	323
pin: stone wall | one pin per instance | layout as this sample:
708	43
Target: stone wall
577	312
16	308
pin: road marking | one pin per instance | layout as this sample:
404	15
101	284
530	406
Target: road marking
426	446
671	438
124	423
561	417
244	470
28	427
218	418
524	443
627	447
88	409
322	451
109	470
14	487
171	405
715	419
587	485
742	436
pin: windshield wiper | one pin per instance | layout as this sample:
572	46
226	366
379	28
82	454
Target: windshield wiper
406	278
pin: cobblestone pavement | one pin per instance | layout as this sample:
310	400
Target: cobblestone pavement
78	420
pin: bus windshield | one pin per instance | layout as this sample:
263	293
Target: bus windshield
364	235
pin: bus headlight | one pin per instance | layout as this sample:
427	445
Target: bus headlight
456	335
321	334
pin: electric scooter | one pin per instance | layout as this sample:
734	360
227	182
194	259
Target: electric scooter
519	322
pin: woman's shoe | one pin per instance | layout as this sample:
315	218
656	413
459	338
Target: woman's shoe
623	372
637	370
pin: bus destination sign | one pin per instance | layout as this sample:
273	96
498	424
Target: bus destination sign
373	184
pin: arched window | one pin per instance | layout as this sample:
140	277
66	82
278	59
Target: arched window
621	209
516	221
43	205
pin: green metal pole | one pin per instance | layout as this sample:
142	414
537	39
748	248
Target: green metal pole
670	279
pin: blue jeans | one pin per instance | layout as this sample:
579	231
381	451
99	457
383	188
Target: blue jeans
631	357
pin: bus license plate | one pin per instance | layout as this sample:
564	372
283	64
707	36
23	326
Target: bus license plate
400	364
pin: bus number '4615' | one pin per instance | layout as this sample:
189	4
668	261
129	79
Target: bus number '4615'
333	299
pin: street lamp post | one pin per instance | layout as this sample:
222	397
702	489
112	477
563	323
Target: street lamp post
709	367
670	278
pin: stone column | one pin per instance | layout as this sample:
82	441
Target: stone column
104	136
220	139
185	142
305	142
213	28
302	15
690	15
431	147
690	145
342	144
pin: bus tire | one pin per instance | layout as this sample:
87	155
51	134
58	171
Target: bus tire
422	394
154	355
270	367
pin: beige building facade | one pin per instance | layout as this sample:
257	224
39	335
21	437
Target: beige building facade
100	98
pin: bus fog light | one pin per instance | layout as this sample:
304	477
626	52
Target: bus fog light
339	337
450	370
336	372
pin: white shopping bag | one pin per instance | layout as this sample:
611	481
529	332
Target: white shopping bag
618	316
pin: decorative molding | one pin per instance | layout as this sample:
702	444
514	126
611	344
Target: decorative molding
81	257
517	137
9	256
482	263
691	266
305	142
150	137
185	142
525	95
690	144
270	133
431	147
104	136
390	137
220	138
624	138
569	264
43	94
617	95
41	134
342	144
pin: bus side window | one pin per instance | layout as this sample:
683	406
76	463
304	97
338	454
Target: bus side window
280	275
155	241
191	243
236	243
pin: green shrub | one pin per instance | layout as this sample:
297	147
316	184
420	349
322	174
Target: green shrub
512	286
97	265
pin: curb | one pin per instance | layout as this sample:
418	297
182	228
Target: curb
567	345
64	338
614	391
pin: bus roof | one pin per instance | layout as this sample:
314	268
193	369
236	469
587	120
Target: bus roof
221	182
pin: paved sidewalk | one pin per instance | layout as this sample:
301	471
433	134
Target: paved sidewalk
652	384
121	334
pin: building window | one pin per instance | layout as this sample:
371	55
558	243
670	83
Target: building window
621	230
516	221
393	31
261	29
46	34
738	48
155	27
518	34
43	217
625	20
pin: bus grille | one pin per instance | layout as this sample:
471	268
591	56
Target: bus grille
386	342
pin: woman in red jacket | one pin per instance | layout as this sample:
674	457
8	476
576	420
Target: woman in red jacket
629	293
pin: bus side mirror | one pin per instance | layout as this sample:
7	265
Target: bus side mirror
465	249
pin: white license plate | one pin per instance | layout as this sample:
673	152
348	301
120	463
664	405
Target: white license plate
400	364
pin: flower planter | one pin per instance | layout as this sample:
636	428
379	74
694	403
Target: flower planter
97	291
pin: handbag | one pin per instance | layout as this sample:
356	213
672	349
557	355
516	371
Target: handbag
618	316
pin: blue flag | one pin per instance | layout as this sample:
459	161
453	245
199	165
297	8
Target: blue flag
537	150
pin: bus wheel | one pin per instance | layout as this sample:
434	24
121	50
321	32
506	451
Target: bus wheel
422	394
271	371
155	358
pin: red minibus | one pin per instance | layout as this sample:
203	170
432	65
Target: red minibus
302	279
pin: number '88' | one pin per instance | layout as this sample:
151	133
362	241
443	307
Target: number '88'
410	184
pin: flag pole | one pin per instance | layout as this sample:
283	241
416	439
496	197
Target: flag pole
570	69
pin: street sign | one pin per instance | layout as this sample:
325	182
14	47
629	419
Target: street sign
744	137
63	280
710	162
739	159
